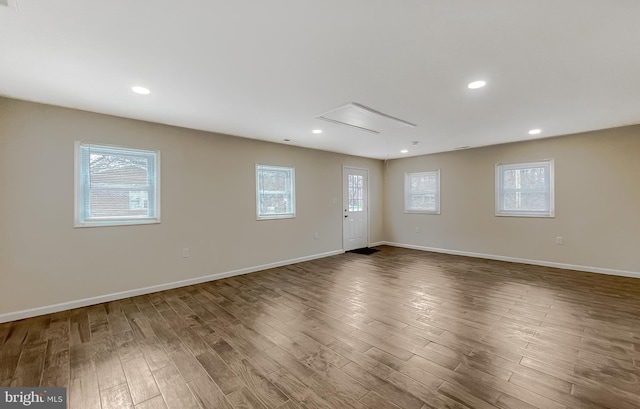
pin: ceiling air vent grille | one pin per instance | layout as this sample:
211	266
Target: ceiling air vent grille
363	118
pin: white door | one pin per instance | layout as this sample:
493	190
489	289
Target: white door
355	200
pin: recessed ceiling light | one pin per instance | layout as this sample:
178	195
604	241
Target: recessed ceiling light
141	90
476	84
287	140
404	151
415	143
534	131
317	131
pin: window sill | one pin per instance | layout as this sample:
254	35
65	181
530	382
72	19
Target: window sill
545	215
276	217
422	212
110	223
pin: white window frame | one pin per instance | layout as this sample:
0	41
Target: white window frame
549	189
81	192
292	185
408	193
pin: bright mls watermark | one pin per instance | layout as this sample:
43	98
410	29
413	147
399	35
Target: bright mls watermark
37	398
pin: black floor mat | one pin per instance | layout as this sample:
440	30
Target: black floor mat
365	250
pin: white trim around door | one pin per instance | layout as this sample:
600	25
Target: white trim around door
355	206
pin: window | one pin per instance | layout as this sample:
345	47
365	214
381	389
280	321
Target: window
116	186
525	189
422	192
356	193
275	192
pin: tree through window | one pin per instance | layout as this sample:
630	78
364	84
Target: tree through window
422	192
525	189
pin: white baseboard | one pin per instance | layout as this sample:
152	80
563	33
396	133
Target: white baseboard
18	315
543	263
33	312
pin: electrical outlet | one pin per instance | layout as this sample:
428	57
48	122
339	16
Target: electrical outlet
185	253
315	235
335	200
417	229
559	240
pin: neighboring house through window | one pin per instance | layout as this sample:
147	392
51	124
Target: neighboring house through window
275	192
116	186
422	192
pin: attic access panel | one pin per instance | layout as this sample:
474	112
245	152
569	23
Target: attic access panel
363	118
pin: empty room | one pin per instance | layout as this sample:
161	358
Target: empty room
319	204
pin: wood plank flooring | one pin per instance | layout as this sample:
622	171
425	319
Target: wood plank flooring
397	329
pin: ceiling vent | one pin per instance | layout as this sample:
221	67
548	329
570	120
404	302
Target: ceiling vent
363	118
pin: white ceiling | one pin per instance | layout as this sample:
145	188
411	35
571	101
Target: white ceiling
265	69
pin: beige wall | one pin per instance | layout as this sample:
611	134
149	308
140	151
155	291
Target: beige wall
597	190
208	206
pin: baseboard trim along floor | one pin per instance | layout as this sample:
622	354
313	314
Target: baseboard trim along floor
49	309
588	269
33	312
